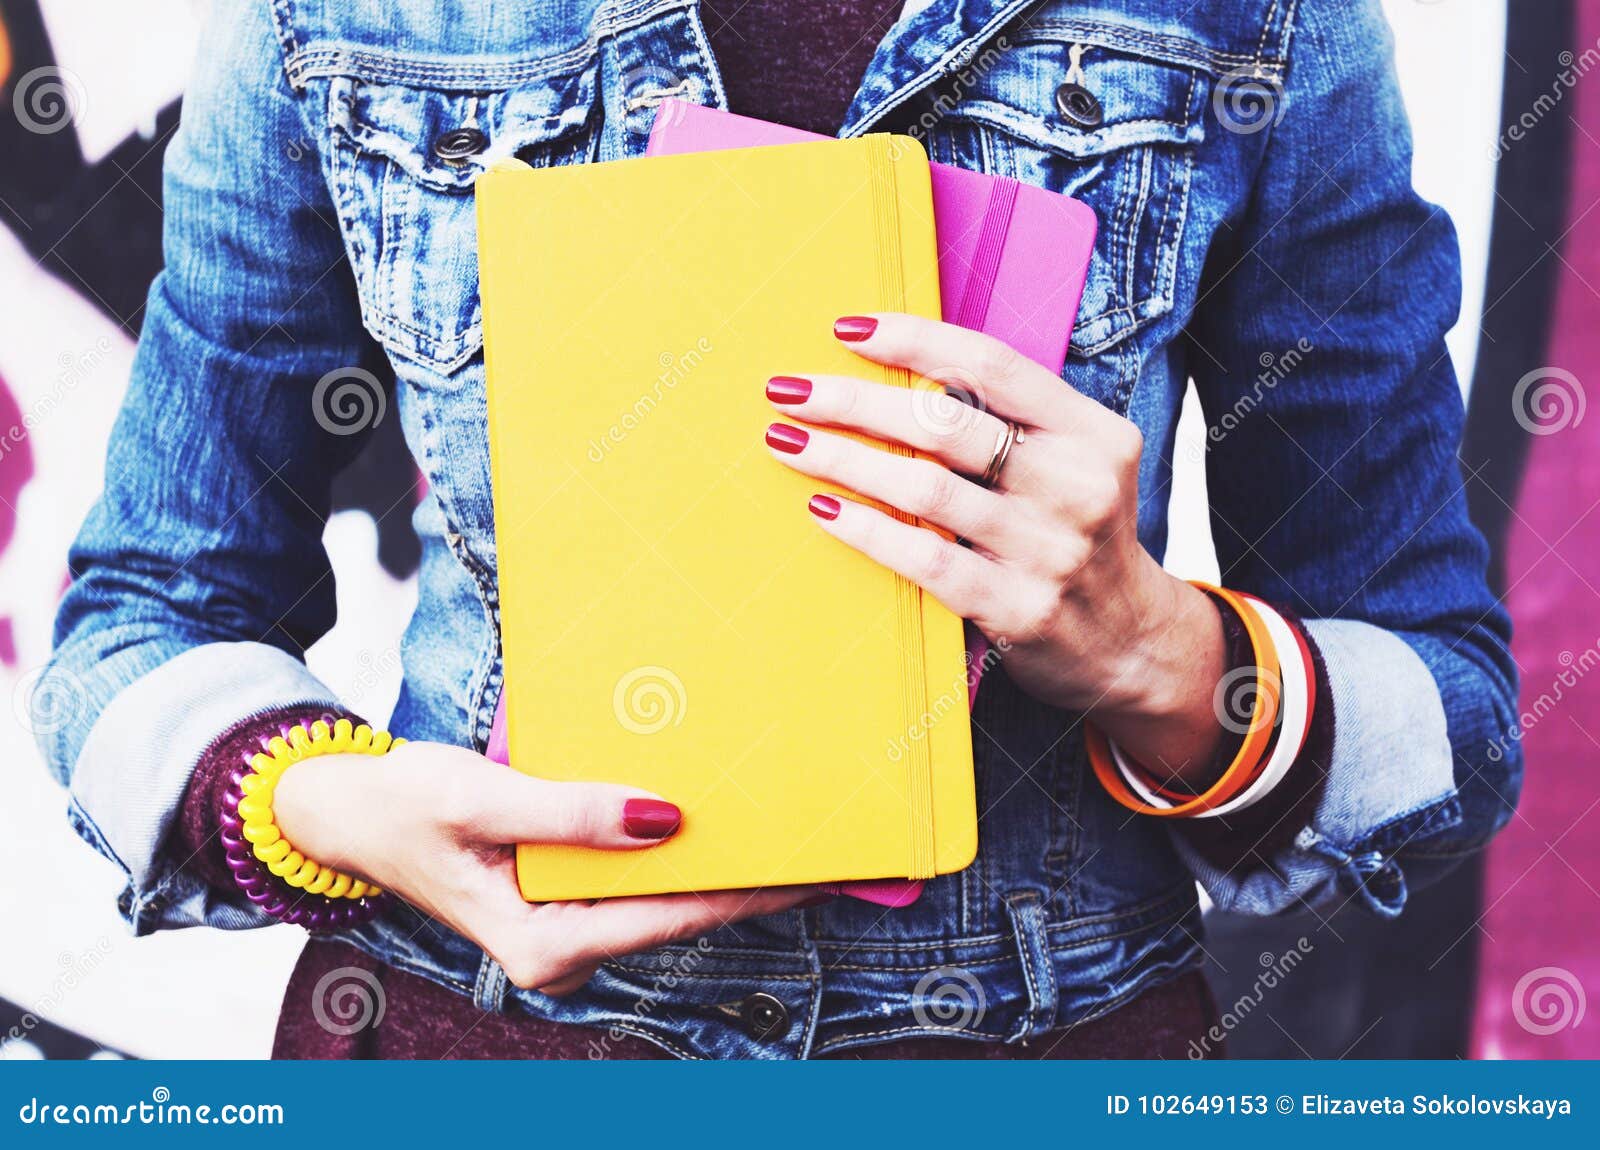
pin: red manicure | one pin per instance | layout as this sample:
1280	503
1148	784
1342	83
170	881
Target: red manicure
854	328
788	389
789	440
650	818
824	507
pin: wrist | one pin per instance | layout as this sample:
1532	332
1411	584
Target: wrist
1161	710
275	872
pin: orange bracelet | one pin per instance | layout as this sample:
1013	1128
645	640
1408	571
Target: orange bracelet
1252	750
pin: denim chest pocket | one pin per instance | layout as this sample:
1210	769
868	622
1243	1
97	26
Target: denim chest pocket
402	160
1111	123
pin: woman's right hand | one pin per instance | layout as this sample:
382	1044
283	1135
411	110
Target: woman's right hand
438	826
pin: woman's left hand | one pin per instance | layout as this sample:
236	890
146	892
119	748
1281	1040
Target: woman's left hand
1054	572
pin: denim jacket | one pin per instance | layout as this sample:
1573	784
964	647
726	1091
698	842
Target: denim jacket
1249	163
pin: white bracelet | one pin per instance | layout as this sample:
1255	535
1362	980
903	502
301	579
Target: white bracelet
1294	690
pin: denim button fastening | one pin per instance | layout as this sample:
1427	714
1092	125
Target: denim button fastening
459	145
765	1018
1079	106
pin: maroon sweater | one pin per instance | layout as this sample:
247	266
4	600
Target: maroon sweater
797	64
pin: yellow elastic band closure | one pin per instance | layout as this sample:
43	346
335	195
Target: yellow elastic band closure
1258	735
255	809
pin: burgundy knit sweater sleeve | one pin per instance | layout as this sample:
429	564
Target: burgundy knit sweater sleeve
1244	837
199	817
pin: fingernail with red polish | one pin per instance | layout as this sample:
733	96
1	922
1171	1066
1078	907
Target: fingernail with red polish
650	818
854	328
788	389
789	440
824	507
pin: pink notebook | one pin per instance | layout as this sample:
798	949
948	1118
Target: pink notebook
1012	258
1012	263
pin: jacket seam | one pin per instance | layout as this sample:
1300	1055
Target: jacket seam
1154	45
1157	917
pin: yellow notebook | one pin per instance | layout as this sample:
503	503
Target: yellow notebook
672	616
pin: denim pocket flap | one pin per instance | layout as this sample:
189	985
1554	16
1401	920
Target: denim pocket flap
403	160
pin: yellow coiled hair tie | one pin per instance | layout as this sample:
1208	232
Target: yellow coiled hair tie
255	808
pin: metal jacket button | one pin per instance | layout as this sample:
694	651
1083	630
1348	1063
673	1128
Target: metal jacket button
1079	106
459	145
765	1018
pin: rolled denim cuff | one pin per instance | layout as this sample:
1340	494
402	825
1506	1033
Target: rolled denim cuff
130	778
1389	781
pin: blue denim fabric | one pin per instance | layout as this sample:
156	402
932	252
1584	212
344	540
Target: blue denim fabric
1258	233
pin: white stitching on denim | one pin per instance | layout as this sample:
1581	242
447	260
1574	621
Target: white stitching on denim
1266	26
652	97
1134	41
